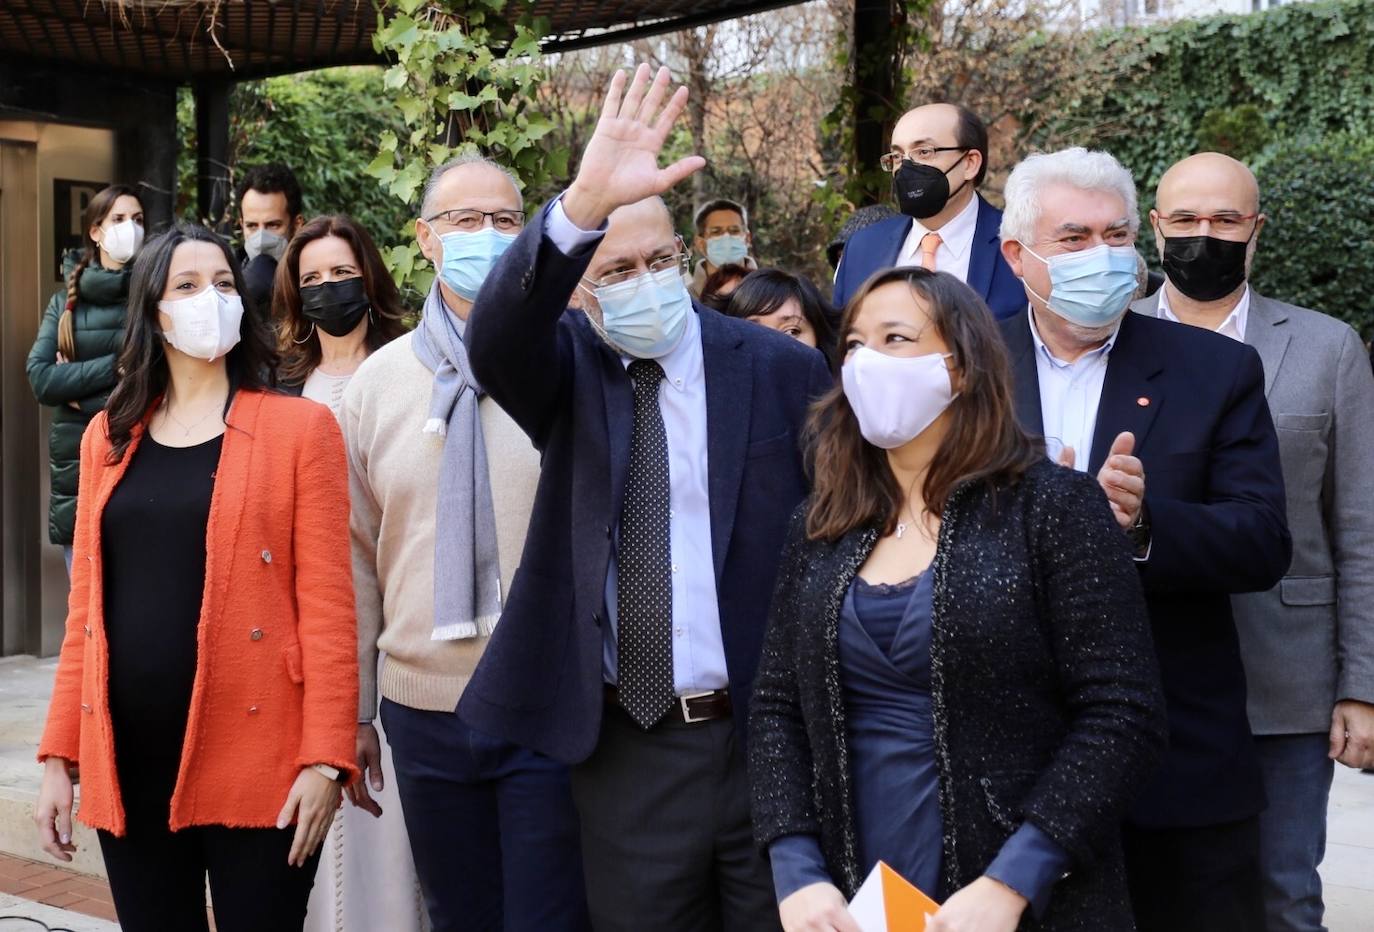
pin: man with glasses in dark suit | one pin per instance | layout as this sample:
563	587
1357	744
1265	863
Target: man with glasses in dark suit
671	464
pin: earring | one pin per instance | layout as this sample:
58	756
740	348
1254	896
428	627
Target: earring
306	338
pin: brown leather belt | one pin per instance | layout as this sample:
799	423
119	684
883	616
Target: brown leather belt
689	709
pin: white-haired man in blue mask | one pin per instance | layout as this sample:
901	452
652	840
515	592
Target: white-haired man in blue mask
1173	422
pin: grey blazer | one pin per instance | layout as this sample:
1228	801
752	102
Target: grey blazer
1309	641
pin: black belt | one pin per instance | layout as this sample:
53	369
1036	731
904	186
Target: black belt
688	709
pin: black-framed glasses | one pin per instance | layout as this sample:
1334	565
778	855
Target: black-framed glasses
470	220
891	161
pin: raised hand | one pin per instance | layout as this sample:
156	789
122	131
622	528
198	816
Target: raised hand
620	164
1122	477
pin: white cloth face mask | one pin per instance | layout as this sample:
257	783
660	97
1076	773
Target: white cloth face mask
122	240
205	325
895	398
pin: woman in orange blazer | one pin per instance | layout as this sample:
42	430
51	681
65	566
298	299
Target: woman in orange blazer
207	686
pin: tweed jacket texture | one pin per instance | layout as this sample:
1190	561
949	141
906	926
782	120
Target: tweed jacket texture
276	685
1045	690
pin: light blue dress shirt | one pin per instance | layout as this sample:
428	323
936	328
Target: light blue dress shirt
1069	396
698	649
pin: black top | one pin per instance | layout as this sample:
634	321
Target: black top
153	545
1044	690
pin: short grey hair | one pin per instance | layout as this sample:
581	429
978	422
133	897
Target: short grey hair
458	161
1076	167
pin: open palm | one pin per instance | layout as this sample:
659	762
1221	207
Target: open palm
620	164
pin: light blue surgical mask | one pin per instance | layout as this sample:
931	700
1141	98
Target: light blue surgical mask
469	257
1091	288
646	316
725	249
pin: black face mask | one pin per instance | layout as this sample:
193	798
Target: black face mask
1203	267
923	190
335	307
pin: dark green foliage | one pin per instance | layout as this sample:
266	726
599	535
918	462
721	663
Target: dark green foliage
1315	247
1290	91
1239	132
325	126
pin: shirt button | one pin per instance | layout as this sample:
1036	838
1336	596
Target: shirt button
252	710
256	634
267	556
678	632
674	567
88	630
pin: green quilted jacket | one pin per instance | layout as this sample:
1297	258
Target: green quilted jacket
102	296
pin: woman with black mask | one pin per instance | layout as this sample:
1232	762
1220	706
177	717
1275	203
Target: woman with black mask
336	304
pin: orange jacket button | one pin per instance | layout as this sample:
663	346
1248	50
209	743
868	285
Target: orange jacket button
256	634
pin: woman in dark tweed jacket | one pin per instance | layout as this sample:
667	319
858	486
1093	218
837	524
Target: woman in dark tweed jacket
958	677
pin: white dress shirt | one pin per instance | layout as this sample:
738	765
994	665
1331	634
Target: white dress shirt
698	648
956	242
1234	324
1069	396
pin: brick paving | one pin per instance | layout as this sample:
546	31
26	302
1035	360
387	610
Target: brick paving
56	886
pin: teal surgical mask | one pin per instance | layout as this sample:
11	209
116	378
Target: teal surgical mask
469	257
646	316
1091	288
725	249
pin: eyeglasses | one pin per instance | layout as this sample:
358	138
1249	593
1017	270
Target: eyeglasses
470	221
676	260
1184	223
892	161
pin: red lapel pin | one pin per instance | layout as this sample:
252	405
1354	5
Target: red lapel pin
1143	401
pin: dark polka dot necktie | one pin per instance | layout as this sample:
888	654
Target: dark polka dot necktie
644	584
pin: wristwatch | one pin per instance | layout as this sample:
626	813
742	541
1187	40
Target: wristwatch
332	773
1139	533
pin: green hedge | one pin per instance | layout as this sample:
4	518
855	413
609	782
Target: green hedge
1291	92
325	126
1315	249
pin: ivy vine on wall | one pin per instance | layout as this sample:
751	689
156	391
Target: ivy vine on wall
464	79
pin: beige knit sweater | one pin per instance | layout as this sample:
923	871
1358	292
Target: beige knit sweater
393	471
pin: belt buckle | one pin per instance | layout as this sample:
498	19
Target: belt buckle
686	713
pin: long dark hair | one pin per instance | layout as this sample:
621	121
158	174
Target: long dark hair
854	486
143	361
97	209
299	342
764	291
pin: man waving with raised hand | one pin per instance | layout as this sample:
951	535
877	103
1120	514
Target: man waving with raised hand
629	640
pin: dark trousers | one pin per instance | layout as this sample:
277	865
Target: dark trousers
157	878
1297	779
492	827
1203	879
666	839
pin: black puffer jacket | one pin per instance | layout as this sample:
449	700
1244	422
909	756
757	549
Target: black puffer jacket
1045	691
102	297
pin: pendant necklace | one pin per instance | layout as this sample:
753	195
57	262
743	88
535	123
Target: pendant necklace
185	429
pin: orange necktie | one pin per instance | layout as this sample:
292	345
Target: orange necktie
929	243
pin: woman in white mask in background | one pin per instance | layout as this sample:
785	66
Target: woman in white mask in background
72	364
207	685
957	678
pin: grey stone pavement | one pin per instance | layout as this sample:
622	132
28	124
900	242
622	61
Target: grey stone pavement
25	684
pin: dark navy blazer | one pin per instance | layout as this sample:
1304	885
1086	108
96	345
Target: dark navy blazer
876	247
1214	492
539	683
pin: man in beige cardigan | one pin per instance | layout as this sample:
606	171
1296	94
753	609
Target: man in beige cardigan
442	479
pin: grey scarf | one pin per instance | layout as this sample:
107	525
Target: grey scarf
467	571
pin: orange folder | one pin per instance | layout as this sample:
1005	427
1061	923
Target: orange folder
888	902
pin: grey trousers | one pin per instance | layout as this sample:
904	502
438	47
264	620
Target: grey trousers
667	842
